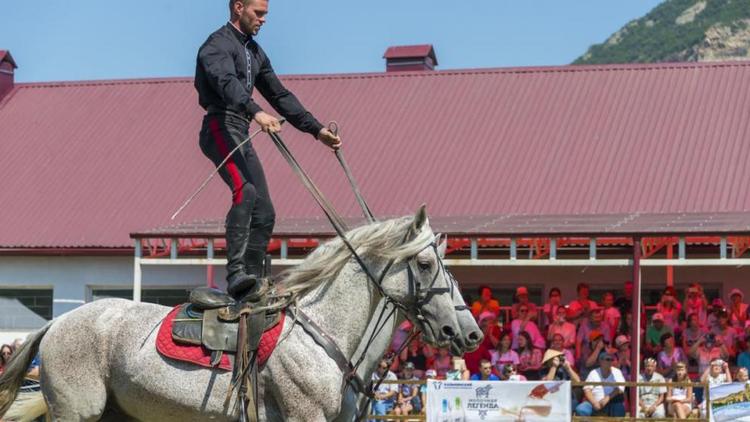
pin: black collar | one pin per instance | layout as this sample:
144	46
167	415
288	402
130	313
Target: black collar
241	37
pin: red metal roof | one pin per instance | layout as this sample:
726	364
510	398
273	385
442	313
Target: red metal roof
5	56
87	163
603	225
408	51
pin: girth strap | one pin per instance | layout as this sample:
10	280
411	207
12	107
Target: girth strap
332	350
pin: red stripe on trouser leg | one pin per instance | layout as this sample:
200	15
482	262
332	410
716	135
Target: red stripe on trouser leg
230	165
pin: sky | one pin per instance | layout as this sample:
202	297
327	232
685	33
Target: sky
56	40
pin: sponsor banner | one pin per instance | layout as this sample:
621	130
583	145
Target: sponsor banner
730	402
470	401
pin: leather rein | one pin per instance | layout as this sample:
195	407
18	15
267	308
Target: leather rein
423	294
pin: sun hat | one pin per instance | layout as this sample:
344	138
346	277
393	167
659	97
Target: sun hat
549	354
621	339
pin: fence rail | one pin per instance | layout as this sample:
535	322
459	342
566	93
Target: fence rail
704	418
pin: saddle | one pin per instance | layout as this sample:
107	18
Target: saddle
211	319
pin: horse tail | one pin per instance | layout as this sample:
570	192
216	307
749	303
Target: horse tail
14	374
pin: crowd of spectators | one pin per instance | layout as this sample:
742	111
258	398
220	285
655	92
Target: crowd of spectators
697	339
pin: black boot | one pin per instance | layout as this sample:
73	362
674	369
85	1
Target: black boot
255	267
238	280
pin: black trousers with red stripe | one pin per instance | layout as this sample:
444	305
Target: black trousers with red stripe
251	202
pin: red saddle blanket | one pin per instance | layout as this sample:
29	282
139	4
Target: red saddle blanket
199	355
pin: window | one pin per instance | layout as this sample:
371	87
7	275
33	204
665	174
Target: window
166	297
38	300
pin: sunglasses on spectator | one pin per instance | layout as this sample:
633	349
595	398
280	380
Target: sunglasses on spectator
608	359
523	310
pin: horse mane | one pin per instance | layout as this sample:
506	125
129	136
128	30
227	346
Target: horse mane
375	241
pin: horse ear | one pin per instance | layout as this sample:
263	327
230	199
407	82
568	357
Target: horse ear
421	217
442	243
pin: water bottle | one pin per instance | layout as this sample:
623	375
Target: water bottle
458	414
445	413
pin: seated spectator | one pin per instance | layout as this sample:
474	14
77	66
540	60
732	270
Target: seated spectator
6	351
408	394
680	398
562	327
589	358
742	375
400	335
596	322
524	324
696	303
29	404
669	356
556	367
717	306
510	373
622	355
530	357
485	372
385	394
522	299
651	398
556	345
737	310
414	355
655	330
626	324
692	333
717	373
485	303
503	355
706	350
669	308
442	363
549	310
491	330
724	331
611	315
743	359
429	374
625	302
579	309
459	371
600	400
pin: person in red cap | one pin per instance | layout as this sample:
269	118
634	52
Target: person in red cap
522	299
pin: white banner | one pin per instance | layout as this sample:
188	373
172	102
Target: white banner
730	402
470	401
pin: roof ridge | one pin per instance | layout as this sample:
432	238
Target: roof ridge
446	72
106	82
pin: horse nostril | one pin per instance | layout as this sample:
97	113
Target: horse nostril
476	336
448	331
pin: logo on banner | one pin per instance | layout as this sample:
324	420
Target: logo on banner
483	392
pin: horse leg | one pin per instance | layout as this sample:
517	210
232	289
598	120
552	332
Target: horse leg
72	369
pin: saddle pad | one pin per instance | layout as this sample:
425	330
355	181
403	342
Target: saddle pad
201	356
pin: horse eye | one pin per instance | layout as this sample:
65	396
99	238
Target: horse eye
423	266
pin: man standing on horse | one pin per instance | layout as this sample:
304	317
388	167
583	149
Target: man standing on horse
230	64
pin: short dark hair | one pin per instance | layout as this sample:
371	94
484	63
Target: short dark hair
553	290
482	287
664	337
232	2
582	286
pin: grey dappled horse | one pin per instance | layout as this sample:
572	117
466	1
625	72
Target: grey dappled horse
468	339
100	360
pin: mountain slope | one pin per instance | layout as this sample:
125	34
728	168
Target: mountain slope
679	30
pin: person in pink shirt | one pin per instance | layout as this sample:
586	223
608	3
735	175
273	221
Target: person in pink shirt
737	310
611	313
524	324
696	303
580	308
669	307
522	298
549	310
562	327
